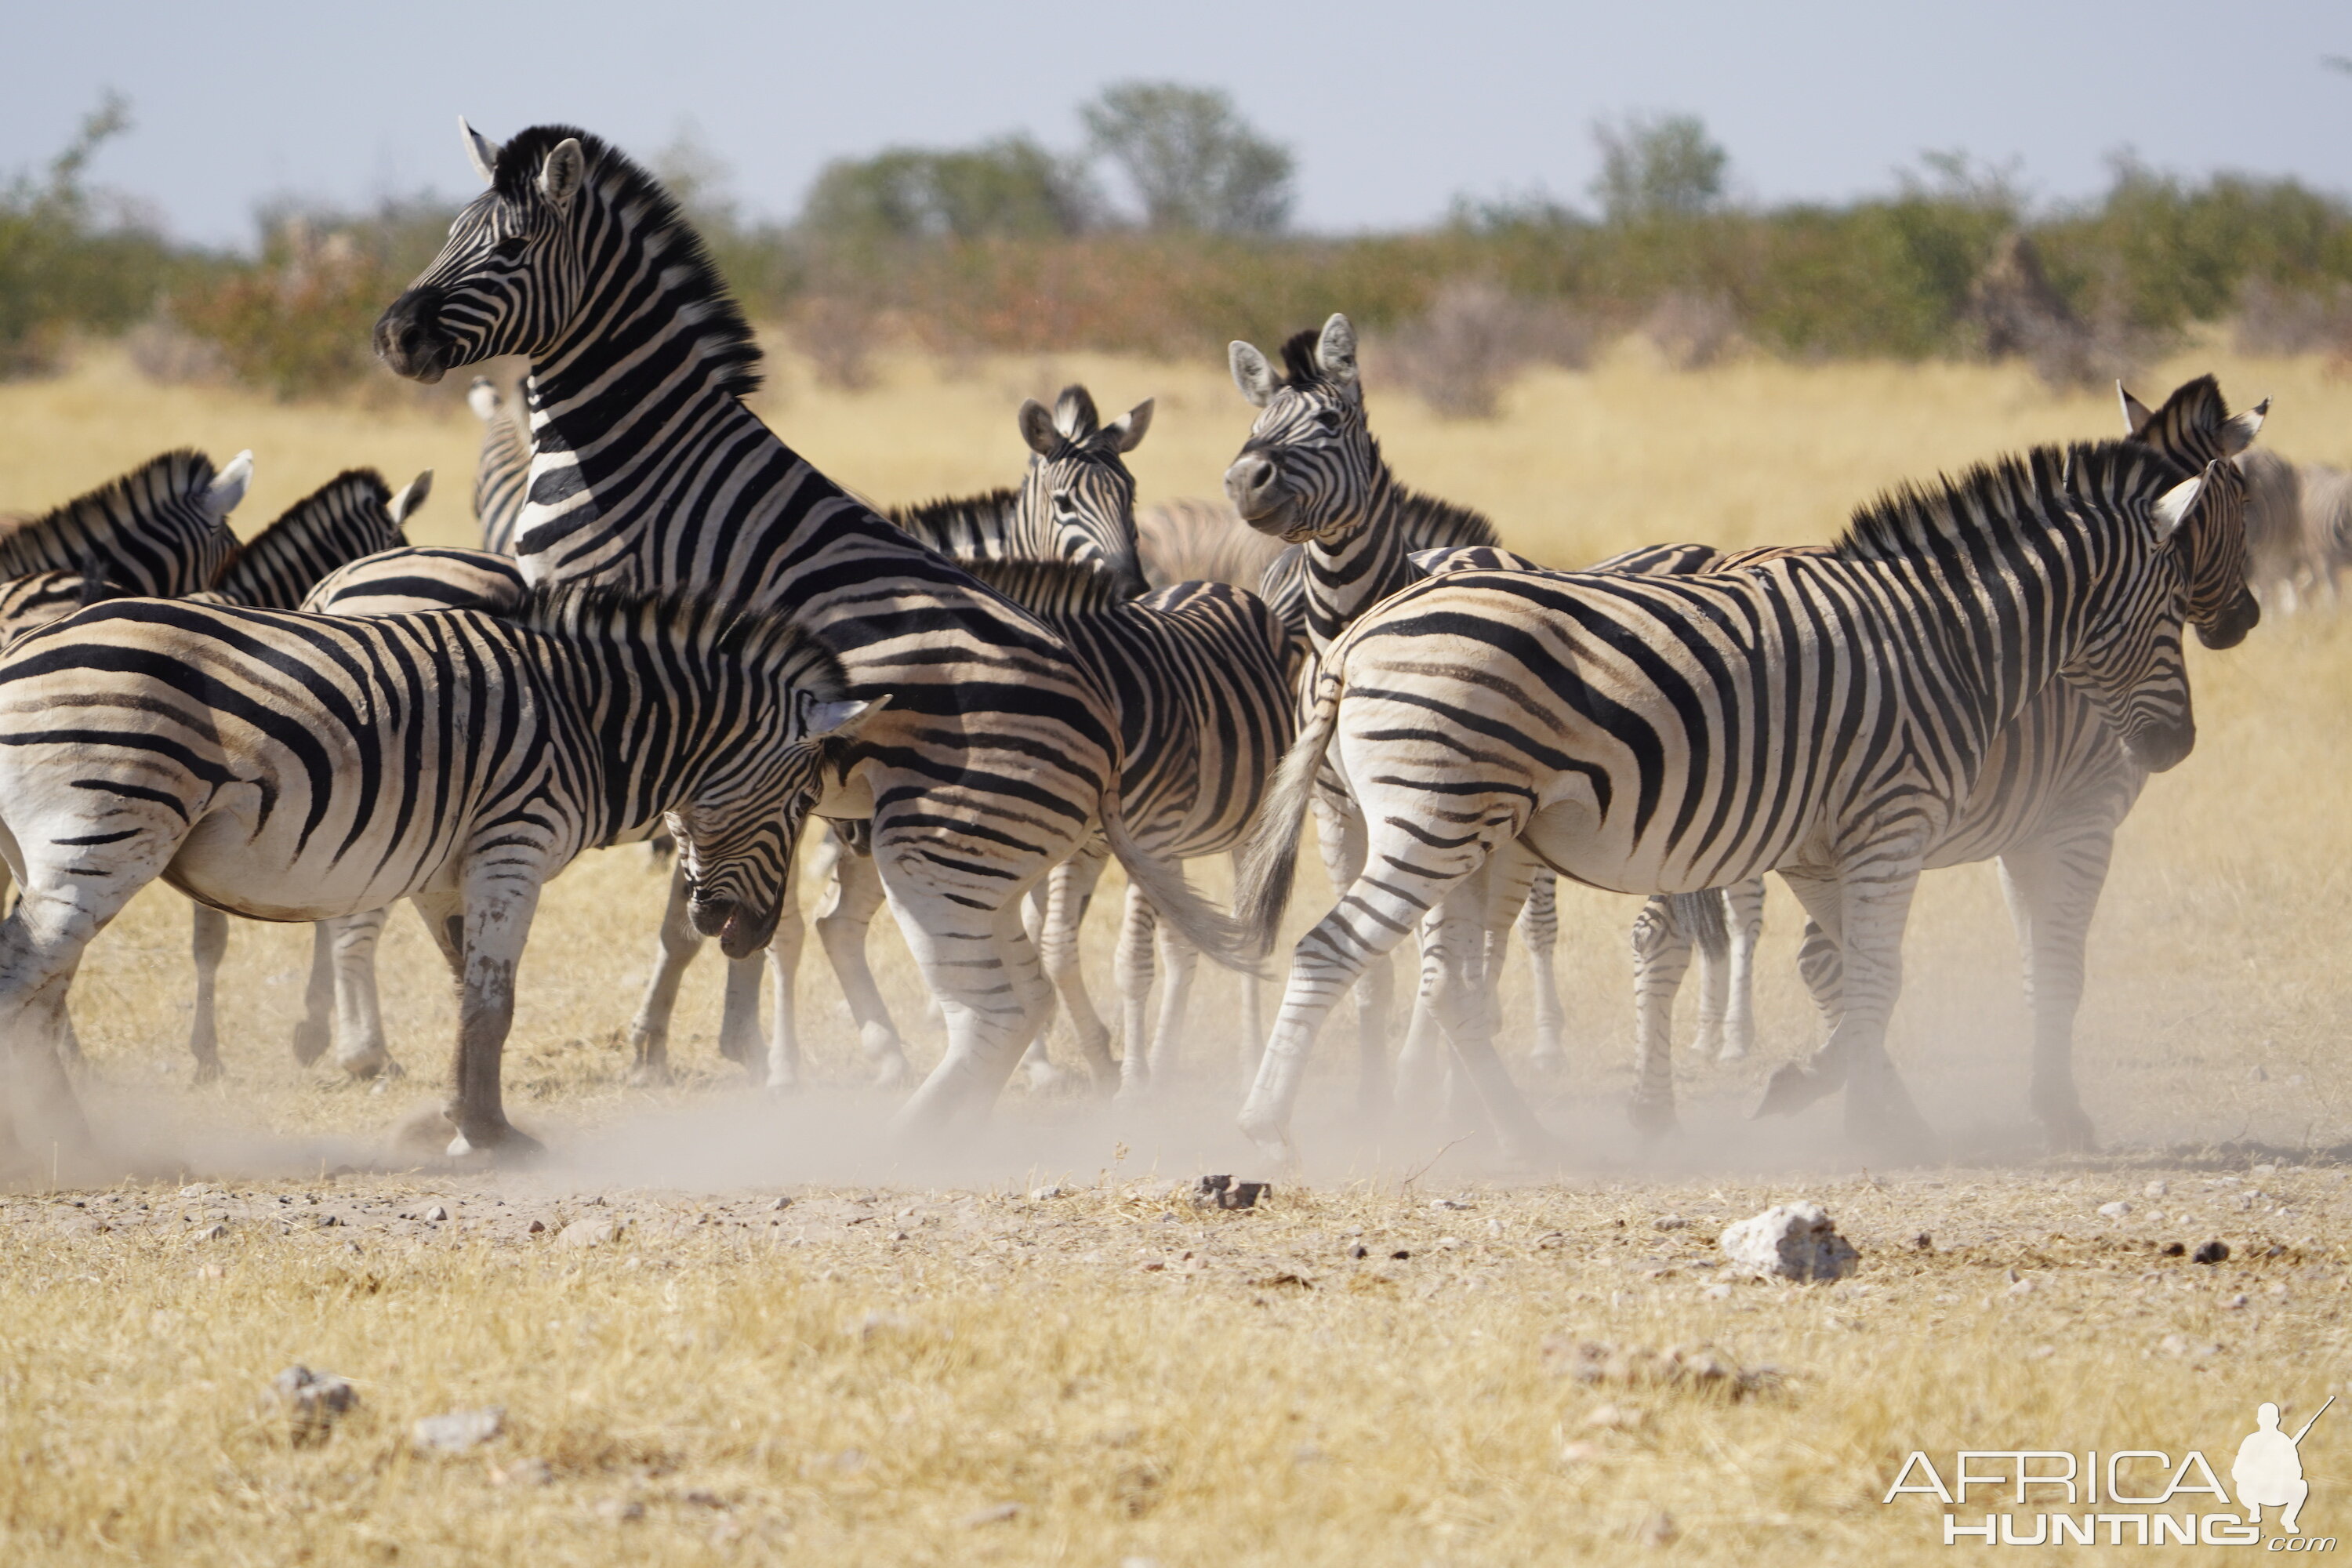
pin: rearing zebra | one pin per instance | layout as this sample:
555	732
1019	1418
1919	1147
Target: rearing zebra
998	756
302	767
1822	714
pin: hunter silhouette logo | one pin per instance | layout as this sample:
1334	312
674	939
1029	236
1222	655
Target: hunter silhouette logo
2269	1471
2135	1497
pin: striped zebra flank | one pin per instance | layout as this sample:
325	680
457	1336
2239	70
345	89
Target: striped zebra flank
502	472
1818	712
997	757
352	515
292	766
420	577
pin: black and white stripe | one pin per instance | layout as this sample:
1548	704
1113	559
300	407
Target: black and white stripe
292	766
162	529
502	473
1818	713
997	758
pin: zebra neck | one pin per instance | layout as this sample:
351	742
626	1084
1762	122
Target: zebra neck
1350	574
641	747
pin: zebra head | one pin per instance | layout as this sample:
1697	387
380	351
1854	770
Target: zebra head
1311	469
2129	663
2193	428
1077	492
737	832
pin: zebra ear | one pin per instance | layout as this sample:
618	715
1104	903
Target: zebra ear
2238	434
1037	428
1335	355
2136	413
560	177
229	487
1252	373
820	720
409	500
1127	430
2176	505
482	151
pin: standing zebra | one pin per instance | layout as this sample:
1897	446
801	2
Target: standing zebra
997	756
161	529
1819	714
1195	672
1193	540
1311	474
503	471
289	766
350	516
2052	790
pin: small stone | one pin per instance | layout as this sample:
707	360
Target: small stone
1671	1222
2211	1252
1451	1203
2116	1210
1002	1513
2156	1189
1922	1241
530	1472
594	1231
312	1401
2258	1076
1791	1241
1578	1453
1043	1194
437	1212
1209	1192
1244	1194
536	1228
1358	1250
1616	1419
458	1430
2236	1302
212	1232
2266	1170
780	1205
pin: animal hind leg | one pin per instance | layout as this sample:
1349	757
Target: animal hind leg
1538	930
1661	956
842	924
360	1050
2054	890
992	987
208	945
1071	891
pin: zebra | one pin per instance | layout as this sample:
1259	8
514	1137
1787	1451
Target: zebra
503	469
997	758
292	766
1076	502
2052	790
1821	714
1192	541
352	515
161	529
1312	475
1204	710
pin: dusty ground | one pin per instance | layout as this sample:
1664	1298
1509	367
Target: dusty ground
877	1373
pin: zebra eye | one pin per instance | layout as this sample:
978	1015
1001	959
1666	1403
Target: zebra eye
510	247
1329	418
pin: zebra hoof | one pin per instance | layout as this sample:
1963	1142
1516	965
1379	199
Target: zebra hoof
649	1075
1548	1062
1735	1050
311	1043
1653	1118
1045	1077
372	1064
2068	1132
206	1072
1792	1089
891	1071
504	1143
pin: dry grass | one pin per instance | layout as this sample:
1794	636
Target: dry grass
985	1349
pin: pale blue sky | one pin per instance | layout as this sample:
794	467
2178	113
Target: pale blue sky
1392	109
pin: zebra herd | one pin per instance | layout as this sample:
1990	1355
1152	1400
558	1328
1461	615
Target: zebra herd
678	630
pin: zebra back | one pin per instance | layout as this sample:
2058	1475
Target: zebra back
502	473
421	577
352	515
1193	540
159	530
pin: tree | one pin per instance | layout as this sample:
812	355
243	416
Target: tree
1653	165
1010	186
1194	162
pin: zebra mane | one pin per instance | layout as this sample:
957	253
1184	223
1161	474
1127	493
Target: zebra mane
321	515
1911	520
1051	587
1429	523
1298	365
950	522
40	543
604	613
691	277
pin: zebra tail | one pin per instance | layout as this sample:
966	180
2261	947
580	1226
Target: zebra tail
1270	858
1201	923
1702	916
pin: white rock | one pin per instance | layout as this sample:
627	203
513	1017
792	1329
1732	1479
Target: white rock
2116	1210
437	1212
1791	1241
1043	1194
459	1431
2156	1189
588	1233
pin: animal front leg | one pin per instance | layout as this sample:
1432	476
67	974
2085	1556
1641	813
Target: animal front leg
316	1031
1072	889
1538	930
1743	914
676	948
496	922
2053	888
1137	1070
1875	900
1458	943
361	1050
841	926
1661	956
208	945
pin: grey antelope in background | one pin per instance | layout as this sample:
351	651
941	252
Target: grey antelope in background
1195	673
1312	475
1075	503
997	758
350	516
292	766
2046	803
161	529
1821	714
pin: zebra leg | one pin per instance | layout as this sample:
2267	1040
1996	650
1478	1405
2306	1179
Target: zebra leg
1182	962
483	935
2053	887
1456	947
1253	1005
1340	834
1822	970
841	926
1420	1060
1713	985
1137	1070
1661	956
316	1031
677	945
360	1050
1538	928
209	941
739	1018
1743	912
991	987
783	1072
1072	887
1037	1066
